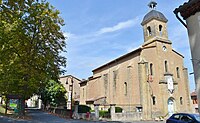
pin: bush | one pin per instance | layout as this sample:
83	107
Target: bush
83	109
104	114
92	111
117	110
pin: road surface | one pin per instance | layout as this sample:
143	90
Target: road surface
43	117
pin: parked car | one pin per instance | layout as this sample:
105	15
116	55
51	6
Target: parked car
184	118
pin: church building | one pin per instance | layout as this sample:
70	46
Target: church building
151	79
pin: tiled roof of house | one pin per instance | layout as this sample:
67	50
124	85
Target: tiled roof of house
193	93
188	8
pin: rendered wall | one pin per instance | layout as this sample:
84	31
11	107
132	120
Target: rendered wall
193	26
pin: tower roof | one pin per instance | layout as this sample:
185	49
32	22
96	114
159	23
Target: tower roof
153	14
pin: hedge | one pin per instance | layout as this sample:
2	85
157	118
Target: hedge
83	109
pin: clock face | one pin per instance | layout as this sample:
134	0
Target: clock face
164	48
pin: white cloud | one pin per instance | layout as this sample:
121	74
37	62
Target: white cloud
119	26
79	45
96	35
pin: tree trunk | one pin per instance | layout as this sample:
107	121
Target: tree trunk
6	110
22	106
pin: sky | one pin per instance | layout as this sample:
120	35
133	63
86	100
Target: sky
99	31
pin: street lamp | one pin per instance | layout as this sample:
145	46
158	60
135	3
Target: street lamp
71	90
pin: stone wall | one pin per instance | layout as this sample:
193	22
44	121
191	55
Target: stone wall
130	116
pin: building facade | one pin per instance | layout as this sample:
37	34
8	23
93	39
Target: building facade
190	11
151	79
194	101
71	84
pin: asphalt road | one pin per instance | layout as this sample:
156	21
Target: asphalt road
43	117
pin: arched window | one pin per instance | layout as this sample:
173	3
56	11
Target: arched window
125	88
166	66
154	100
149	31
177	72
66	81
160	30
181	100
115	75
151	69
105	77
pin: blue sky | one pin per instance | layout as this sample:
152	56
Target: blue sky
101	30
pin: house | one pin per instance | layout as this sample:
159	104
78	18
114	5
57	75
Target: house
190	12
71	84
194	101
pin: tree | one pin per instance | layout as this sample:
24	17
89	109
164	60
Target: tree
53	94
31	41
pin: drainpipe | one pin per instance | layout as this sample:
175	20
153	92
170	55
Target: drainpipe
176	13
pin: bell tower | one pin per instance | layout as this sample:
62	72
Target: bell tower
154	24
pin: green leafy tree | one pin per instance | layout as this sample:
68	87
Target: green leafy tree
53	94
31	41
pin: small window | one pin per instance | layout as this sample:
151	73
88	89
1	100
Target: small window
154	100
166	67
181	100
125	88
160	30
177	72
149	31
151	69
